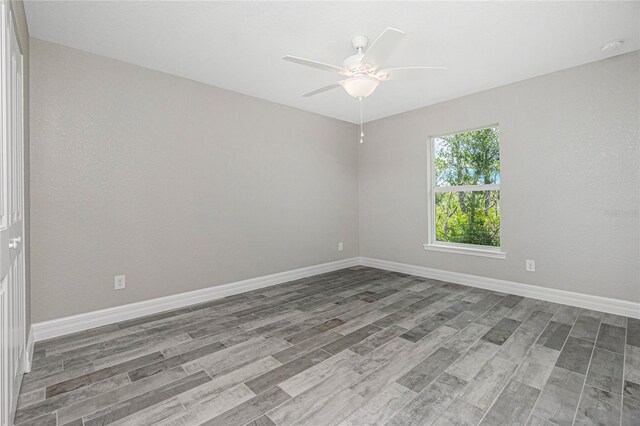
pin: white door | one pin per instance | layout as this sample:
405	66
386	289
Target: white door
12	297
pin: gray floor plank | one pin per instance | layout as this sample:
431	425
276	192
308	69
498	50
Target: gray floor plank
210	390
100	375
462	320
525	308
424	373
308	345
494	315
559	398
598	407
517	346
575	355
251	409
617	320
52	404
263	420
536	367
586	327
148	399
379	409
351	339
631	404
354	346
424	328
311	399
29	398
488	383
466	337
372	382
499	333
314	331
633	331
377	339
566	315
232	332
357	323
124	356
152	415
419	315
470	364
46	420
513	406
381	355
54	378
605	371
611	338
511	301
281	373
311	377
460	413
632	364
175	361
391	319
537	421
201	413
98	402
224	361
429	404
554	335
334	410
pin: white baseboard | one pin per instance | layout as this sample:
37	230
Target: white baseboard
28	355
598	303
67	325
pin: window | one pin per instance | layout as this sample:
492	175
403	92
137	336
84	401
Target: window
464	211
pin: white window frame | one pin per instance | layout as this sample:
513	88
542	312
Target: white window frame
447	247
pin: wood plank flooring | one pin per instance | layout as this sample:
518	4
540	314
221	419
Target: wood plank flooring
359	346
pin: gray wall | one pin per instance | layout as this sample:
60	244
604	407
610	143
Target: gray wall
23	34
570	180
182	186
176	184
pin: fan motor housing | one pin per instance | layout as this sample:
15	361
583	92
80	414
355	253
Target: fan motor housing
353	62
359	42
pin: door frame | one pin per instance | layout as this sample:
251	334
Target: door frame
13	349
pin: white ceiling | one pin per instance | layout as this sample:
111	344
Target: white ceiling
239	45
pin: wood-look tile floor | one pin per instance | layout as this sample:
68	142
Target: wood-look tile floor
356	346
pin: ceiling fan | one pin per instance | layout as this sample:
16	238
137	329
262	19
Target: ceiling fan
363	70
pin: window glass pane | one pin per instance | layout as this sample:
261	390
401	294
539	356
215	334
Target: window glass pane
468	158
471	217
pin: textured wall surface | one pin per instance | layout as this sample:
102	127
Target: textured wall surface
570	180
182	186
176	184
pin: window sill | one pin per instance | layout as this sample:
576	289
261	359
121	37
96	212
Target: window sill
494	253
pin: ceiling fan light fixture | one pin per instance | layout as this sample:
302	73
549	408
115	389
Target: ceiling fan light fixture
360	86
363	70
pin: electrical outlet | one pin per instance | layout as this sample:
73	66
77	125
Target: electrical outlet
530	265
119	282
340	246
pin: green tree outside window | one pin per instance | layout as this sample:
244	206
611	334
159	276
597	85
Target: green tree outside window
467	215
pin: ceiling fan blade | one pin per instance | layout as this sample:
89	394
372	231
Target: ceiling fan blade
315	64
382	47
323	89
407	73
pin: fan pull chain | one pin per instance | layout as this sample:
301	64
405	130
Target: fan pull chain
361	120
